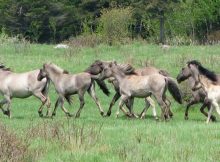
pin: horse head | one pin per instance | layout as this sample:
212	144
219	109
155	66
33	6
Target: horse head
42	74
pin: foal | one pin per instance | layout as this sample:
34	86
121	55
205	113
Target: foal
209	82
69	84
22	85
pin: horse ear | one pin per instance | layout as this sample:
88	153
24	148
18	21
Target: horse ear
114	62
110	65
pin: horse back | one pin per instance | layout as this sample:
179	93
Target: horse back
22	85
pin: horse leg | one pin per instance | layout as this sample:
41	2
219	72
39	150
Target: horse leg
91	92
121	103
43	100
62	106
162	105
152	104
208	105
56	105
147	105
82	102
4	101
168	103
114	99
130	104
48	103
209	114
8	102
192	102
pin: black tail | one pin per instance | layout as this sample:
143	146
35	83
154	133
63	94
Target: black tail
103	86
174	89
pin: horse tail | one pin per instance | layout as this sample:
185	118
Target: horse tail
174	89
101	84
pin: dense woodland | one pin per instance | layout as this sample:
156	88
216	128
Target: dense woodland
52	21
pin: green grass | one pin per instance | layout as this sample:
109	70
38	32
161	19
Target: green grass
93	138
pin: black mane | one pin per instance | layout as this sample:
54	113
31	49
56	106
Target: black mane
95	68
127	69
209	74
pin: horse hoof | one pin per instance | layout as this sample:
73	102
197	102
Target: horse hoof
102	113
40	114
7	113
156	118
69	115
77	115
129	115
213	118
186	117
108	114
53	114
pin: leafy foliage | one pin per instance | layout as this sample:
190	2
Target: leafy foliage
56	20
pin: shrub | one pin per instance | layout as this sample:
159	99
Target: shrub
12	148
114	25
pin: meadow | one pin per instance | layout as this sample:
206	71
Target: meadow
27	137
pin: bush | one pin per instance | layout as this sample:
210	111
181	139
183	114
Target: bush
114	25
12	148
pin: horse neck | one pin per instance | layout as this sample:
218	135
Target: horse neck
118	75
205	82
191	81
53	75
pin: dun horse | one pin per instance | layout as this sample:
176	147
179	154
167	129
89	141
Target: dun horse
141	86
209	82
198	96
68	84
97	67
22	85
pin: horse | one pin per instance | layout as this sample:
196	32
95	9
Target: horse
132	85
97	67
69	84
209	82
198	96
22	85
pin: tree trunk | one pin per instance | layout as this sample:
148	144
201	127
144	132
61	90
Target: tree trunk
162	27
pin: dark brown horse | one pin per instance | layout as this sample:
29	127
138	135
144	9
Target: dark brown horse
209	82
198	96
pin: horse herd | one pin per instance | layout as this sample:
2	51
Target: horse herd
128	82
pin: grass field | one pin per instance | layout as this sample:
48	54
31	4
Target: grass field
94	138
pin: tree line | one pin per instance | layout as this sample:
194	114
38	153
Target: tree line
154	20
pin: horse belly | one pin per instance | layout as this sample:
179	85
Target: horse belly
21	94
140	93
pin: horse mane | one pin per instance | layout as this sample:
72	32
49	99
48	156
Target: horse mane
204	71
4	68
91	69
127	69
58	69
